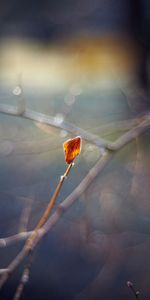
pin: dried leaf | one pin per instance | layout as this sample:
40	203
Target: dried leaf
72	148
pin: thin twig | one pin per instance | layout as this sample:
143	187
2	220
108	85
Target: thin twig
48	210
26	272
57	214
12	266
23	282
130	135
90	137
7	241
119	143
24	278
25	214
46	119
126	138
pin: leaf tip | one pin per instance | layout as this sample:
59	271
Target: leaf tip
72	148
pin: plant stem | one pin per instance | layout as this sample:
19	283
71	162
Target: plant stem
47	212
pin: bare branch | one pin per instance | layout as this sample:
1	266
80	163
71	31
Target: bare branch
3	271
107	155
45	119
12	266
25	214
7	241
119	143
56	215
130	135
24	279
90	137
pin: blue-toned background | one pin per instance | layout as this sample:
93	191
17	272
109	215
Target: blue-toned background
85	62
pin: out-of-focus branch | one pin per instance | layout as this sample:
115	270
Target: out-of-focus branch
7	241
25	214
24	279
57	214
90	137
119	143
107	155
3	271
48	210
131	134
26	272
49	120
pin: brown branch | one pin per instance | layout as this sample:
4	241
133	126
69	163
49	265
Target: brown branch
57	214
119	143
48	210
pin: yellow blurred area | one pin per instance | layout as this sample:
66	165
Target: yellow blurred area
86	60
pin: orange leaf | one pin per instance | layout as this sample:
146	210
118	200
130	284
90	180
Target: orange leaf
72	149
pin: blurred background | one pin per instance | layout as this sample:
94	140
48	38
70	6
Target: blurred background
85	62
